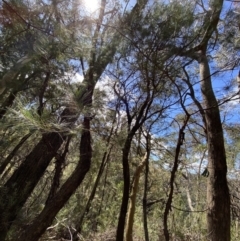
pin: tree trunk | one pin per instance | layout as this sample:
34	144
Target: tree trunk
168	206
13	152
125	197
218	199
59	164
131	210
145	220
105	159
18	188
46	217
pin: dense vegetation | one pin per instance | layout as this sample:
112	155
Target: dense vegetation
119	123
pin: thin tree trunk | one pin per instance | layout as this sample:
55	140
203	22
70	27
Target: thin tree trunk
104	187
189	199
140	118
168	205
92	195
125	197
145	220
42	92
132	205
59	163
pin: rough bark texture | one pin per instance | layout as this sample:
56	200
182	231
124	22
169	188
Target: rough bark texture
218	214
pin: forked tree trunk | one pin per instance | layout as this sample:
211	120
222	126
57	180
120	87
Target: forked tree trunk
46	217
125	163
18	188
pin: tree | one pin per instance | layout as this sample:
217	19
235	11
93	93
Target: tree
217	189
53	127
218	192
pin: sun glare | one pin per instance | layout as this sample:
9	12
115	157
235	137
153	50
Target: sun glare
91	5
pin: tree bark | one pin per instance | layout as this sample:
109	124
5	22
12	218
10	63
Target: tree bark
18	188
145	220
59	164
168	206
91	197
46	217
218	199
13	152
132	205
140	118
126	180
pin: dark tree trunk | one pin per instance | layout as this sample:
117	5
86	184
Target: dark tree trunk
140	119
59	163
126	188
144	201
46	217
13	152
7	103
18	188
91	197
168	205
